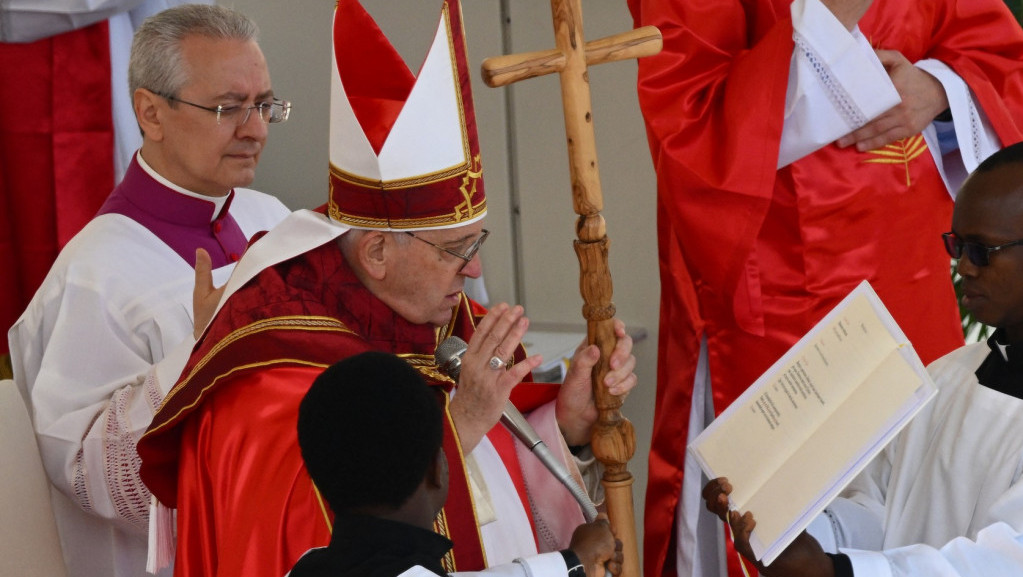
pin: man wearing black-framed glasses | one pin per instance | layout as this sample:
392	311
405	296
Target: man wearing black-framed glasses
106	335
964	451
979	254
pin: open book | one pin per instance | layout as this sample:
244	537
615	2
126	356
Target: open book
808	425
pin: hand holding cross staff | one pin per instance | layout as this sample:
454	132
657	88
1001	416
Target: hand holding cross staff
613	438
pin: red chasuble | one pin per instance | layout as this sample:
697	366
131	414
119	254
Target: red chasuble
223	448
751	256
56	154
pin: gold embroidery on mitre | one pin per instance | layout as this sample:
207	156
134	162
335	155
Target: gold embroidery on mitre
470	172
465	211
901	151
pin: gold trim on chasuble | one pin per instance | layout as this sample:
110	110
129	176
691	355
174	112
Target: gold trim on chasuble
428	368
440	522
315	324
902	151
471	171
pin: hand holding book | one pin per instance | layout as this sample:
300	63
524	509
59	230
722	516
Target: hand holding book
802	558
813	421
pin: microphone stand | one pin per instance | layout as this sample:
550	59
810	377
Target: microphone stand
449	360
517	424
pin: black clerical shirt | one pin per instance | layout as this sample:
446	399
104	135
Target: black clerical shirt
364	546
1002	372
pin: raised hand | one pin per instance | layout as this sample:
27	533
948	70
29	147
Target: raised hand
576	411
205	296
483	387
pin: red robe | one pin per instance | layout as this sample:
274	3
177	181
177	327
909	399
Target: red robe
223	448
752	256
56	154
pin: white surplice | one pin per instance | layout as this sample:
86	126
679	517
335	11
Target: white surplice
95	352
945	498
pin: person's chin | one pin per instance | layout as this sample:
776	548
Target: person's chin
243	177
977	307
443	316
441	319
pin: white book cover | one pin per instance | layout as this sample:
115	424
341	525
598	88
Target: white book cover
813	421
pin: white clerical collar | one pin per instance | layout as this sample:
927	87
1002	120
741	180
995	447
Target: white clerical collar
1004	350
218	201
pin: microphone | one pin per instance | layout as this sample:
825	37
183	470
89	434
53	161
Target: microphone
449	360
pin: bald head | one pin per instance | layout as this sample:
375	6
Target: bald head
995	190
987	223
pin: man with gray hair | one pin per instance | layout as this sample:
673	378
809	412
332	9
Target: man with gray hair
111	326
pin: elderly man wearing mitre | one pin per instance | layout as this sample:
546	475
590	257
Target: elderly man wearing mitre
382	267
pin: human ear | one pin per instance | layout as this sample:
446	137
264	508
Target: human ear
371	253
437	472
148	114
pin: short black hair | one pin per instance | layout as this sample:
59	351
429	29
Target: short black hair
369	429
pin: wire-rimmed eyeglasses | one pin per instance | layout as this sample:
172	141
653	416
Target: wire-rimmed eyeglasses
469	253
979	254
269	112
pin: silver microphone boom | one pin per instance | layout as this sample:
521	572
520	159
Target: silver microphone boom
449	360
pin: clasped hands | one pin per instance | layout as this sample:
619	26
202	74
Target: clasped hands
483	391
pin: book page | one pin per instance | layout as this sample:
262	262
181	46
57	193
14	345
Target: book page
796	437
832	452
795	396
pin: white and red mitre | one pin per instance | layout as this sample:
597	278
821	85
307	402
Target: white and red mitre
404	154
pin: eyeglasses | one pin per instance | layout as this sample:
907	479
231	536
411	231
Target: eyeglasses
469	254
978	254
269	112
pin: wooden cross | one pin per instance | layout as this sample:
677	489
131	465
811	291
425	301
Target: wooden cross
613	438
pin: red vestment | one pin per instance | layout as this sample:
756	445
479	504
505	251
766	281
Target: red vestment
223	448
751	255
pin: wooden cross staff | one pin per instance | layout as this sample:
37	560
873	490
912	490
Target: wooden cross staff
613	438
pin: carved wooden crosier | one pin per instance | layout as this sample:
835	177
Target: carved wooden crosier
613	436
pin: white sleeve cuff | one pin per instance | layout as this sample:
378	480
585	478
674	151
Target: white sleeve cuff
836	83
543	565
977	139
871	563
